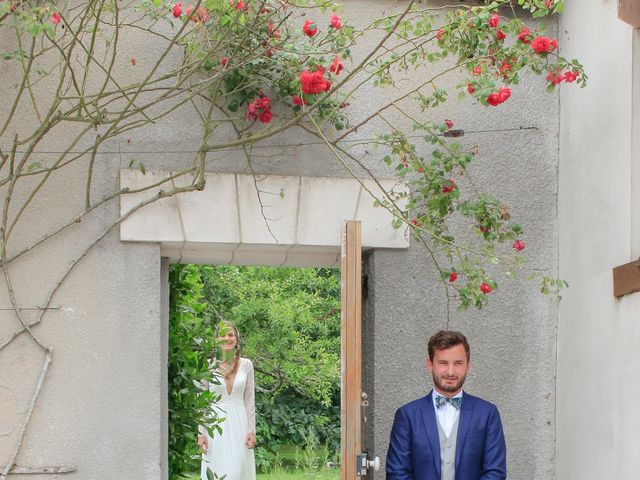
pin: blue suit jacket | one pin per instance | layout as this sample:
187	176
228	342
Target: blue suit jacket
414	446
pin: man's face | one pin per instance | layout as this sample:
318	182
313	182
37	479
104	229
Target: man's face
449	369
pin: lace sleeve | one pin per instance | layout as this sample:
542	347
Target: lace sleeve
249	397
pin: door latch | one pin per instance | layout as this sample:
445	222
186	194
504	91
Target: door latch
363	464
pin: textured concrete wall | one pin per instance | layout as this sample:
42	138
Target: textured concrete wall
101	410
101	400
597	415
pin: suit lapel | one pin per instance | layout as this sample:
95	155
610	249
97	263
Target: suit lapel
464	420
431	427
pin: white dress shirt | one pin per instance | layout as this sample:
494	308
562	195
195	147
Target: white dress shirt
447	414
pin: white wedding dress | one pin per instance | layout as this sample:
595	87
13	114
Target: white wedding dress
227	454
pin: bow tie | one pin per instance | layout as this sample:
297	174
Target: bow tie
456	402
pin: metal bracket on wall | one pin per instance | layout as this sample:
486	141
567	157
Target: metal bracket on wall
40	470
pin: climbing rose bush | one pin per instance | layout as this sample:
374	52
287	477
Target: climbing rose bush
271	65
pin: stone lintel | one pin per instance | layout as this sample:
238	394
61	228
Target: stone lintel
266	220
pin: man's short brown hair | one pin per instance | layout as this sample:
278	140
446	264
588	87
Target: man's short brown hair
445	339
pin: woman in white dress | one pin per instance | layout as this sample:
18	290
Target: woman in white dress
231	453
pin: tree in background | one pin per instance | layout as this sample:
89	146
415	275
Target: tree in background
289	322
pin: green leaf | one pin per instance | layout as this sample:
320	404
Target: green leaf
33	166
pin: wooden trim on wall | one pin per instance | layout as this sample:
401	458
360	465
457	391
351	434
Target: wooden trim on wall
351	349
629	11
626	279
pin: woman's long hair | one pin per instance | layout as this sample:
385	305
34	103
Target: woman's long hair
217	353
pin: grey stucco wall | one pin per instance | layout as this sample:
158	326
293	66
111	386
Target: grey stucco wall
102	408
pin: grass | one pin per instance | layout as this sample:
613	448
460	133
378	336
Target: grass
321	474
295	463
299	464
325	474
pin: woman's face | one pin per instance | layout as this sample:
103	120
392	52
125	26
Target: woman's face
228	340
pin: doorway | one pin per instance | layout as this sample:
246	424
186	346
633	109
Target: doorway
288	321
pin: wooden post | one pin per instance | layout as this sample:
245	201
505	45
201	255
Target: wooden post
351	349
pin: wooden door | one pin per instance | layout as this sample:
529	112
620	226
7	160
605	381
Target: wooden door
351	349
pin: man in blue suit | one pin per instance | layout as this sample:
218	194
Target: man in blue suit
449	434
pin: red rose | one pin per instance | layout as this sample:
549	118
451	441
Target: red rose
504	94
12	8
449	188
309	28
555	77
297	100
493	99
177	10
570	76
335	22
544	45
485	288
224	61
519	245
273	31
448	123
477	70
524	36
470	88
547	3
263	102
55	18
238	5
494	20
314	82
336	66
252	111
415	222
500	34
266	116
504	68
453	276
201	15
439	34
